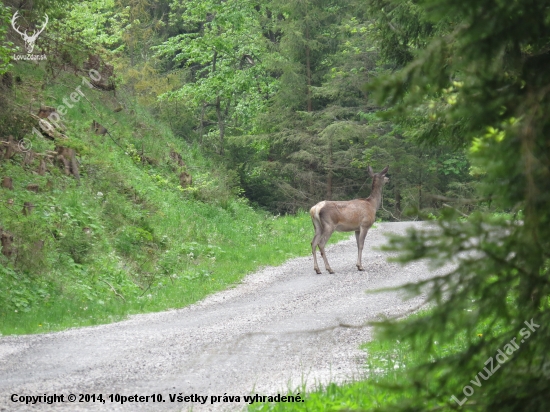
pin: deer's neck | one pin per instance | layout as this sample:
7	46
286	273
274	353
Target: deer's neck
376	195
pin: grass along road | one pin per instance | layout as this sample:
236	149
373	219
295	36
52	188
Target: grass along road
281	328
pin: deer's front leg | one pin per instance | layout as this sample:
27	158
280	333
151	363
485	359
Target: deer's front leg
314	252
360	236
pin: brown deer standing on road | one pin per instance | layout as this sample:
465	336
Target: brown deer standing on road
353	215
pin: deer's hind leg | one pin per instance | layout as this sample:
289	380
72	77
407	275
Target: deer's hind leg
325	236
314	244
316	238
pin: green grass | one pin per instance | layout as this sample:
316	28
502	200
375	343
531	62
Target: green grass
366	394
88	299
126	239
386	372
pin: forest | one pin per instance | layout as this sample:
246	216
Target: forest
277	93
155	151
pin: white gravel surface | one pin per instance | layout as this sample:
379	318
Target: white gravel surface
282	327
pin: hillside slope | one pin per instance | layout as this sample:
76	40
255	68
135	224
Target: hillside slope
137	221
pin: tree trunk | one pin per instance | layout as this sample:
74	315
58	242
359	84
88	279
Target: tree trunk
329	177
397	203
420	192
308	66
221	124
202	122
131	54
214	59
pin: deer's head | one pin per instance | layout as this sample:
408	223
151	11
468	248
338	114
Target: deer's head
29	40
381	175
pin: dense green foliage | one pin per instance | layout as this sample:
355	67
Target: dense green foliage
125	237
5	46
476	79
485	85
276	90
279	105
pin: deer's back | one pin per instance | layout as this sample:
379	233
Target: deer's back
345	216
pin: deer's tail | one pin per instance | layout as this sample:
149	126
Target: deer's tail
315	212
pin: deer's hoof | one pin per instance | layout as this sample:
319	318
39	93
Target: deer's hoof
317	271
331	271
360	268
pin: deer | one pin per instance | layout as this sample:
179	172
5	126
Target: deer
346	216
29	40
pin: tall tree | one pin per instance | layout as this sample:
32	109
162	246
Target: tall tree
5	45
485	84
223	51
320	132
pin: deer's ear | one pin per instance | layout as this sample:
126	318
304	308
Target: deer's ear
383	172
371	172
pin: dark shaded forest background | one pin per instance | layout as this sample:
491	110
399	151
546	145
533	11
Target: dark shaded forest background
276	91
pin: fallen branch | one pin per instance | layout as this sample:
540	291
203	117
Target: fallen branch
462	201
455	209
387	211
114	290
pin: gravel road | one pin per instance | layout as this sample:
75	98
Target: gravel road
281	328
